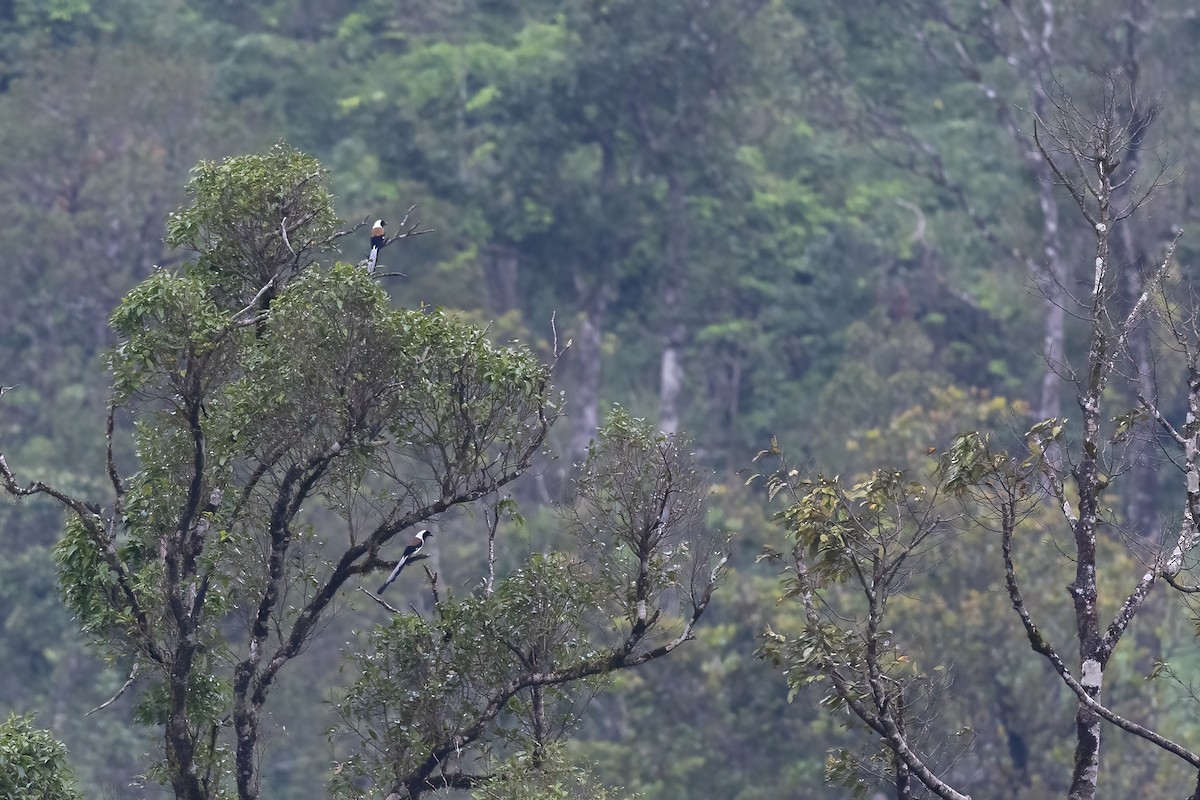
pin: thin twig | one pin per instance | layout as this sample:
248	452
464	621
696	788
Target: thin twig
413	230
1166	425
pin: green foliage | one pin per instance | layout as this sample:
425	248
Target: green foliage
256	218
424	683
857	549
207	701
639	505
844	768
258	379
833	524
166	319
86	585
550	775
27	24
33	764
858	227
503	674
108	134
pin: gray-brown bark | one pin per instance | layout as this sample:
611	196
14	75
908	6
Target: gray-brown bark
1090	150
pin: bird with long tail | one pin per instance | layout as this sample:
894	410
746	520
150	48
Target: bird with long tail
412	550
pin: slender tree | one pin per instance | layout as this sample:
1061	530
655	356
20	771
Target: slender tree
878	535
492	682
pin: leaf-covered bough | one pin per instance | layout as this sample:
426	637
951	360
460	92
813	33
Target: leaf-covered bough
291	428
262	382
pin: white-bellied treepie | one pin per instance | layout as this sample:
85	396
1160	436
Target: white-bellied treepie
378	240
413	548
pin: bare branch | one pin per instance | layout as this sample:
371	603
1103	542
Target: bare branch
433	584
113	476
1139	307
1180	587
492	518
133	673
1066	181
1166	425
254	305
9	481
379	600
407	230
340	234
283	231
1041	645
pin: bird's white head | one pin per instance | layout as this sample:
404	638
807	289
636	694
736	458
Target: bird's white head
424	532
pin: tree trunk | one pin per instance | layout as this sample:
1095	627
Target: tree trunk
180	743
1141	502
1084	591
591	291
1051	280
671	374
585	415
500	271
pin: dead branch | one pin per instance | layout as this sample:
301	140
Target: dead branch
133	673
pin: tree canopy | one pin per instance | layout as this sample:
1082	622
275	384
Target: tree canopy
863	241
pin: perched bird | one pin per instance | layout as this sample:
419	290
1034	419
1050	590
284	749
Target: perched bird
410	551
378	240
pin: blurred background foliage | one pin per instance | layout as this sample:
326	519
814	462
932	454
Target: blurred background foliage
818	213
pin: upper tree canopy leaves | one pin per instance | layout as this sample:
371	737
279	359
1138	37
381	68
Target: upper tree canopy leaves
256	219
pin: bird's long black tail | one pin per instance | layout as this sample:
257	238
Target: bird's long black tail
395	574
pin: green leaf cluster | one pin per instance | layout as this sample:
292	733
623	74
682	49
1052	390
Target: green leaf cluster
33	764
423	683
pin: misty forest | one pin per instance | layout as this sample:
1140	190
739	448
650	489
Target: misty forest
599	399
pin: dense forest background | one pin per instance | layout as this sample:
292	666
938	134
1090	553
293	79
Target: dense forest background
823	222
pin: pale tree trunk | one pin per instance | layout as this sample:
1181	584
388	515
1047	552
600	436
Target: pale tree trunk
585	397
671	377
1022	34
1084	590
592	292
500	272
1051	278
1092	189
1142	501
